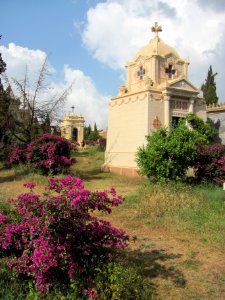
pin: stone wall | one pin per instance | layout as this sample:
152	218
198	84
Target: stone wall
217	114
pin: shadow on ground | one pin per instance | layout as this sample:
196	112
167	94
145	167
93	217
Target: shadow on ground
153	264
89	175
15	176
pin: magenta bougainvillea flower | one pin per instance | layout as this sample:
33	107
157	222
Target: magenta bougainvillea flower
57	238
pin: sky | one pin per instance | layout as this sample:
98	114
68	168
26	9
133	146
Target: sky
88	43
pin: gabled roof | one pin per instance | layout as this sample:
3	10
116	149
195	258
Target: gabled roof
182	84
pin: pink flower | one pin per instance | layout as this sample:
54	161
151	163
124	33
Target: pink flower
2	218
91	293
30	185
57	232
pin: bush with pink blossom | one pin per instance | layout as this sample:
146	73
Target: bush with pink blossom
55	237
47	153
15	155
210	164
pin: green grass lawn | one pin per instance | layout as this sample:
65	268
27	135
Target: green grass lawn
177	231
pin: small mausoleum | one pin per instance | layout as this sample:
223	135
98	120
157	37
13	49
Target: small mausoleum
72	127
157	92
216	112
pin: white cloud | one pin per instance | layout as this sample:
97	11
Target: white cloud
117	29
19	58
84	96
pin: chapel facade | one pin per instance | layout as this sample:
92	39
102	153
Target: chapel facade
157	92
72	127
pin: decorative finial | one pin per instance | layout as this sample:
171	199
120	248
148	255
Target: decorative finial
156	28
72	108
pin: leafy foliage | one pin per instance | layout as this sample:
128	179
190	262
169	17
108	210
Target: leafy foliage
205	128
168	154
102	144
87	131
120	281
2	68
56	239
209	88
91	135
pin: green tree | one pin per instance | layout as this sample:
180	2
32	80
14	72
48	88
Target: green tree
169	154
2	68
11	118
45	124
209	88
205	128
93	136
87	131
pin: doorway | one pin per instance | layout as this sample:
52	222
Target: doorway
75	134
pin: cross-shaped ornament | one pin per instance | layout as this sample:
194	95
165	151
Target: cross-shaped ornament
141	72
170	71
72	108
156	28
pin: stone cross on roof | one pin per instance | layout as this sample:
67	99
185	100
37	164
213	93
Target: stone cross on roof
156	28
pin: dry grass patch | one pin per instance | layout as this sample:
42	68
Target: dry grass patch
177	231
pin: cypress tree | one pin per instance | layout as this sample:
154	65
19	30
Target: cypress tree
209	88
2	69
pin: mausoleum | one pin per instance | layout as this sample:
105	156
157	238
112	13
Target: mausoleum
157	92
216	112
72	127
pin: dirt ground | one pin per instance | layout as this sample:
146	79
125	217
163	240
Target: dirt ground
178	267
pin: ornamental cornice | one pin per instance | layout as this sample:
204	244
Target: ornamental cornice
137	97
215	107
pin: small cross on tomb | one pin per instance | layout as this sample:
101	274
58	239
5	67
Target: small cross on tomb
170	71
141	72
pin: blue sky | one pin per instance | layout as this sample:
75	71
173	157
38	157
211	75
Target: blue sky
90	41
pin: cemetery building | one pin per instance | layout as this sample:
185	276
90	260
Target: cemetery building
216	112
72	127
157	92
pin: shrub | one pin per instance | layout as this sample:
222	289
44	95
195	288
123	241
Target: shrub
118	280
16	155
205	128
55	239
210	165
3	152
168	154
49	153
93	136
102	144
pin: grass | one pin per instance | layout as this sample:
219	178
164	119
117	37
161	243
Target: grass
197	211
176	230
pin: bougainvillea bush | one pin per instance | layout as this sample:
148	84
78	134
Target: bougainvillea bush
56	239
16	155
210	165
47	153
